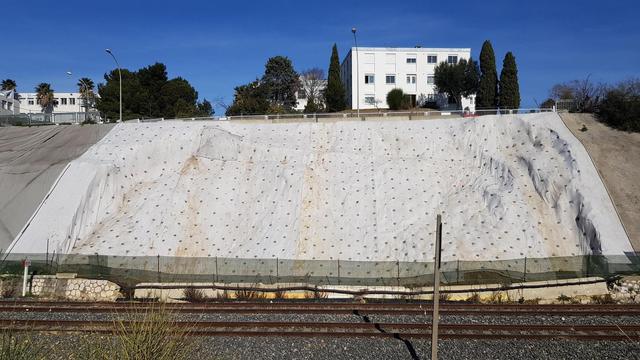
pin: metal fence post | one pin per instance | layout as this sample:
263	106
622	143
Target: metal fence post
524	274
277	270
338	271
158	267
398	272
217	269
436	290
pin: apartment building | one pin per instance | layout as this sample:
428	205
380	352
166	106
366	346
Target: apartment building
9	105
65	103
410	69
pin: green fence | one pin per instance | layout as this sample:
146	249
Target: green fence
129	271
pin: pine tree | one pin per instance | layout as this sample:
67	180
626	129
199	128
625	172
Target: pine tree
509	97
488	91
334	94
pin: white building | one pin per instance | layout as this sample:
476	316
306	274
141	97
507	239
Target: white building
65	103
8	103
384	69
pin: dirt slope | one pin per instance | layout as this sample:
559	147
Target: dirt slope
616	155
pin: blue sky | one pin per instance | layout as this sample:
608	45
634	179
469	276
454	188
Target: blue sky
219	45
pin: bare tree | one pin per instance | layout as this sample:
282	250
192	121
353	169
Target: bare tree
585	94
313	84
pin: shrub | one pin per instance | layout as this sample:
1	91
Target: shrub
563	298
195	295
9	288
396	99
603	299
620	107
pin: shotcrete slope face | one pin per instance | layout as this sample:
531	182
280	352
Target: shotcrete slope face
507	187
31	159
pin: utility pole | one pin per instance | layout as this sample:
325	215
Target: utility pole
436	290
355	40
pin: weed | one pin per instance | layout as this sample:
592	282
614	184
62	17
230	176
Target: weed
153	335
603	299
18	348
195	295
563	298
473	298
9	288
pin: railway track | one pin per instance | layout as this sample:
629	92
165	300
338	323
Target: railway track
321	308
341	329
366	328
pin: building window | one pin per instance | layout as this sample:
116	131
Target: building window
369	79
432	59
431	79
411	79
452	59
72	101
30	101
302	94
63	101
390	79
370	99
411	60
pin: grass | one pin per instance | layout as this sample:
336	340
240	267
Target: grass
154	335
13	347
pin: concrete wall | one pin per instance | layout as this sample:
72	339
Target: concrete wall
50	286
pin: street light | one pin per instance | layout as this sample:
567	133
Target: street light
120	74
85	95
355	40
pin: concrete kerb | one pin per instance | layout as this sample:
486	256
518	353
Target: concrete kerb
543	291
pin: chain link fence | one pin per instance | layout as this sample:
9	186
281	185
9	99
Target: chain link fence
49	119
129	271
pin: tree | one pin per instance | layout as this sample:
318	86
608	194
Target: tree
457	80
281	82
205	109
8	84
249	99
334	95
509	97
620	106
312	83
585	94
134	96
488	87
153	78
44	96
148	93
86	88
177	99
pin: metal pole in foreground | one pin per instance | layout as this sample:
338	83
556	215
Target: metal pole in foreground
120	75
26	263
436	290
355	40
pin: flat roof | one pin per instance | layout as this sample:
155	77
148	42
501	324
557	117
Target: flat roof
412	49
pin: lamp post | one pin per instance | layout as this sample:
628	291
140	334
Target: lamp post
355	40
120	74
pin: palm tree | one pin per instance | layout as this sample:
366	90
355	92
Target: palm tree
8	84
44	95
87	94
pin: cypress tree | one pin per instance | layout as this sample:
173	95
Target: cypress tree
488	91
334	94
509	97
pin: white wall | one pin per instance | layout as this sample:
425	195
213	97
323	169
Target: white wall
381	62
67	102
8	104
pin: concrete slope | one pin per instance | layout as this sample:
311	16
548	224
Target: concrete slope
616	155
507	186
31	158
